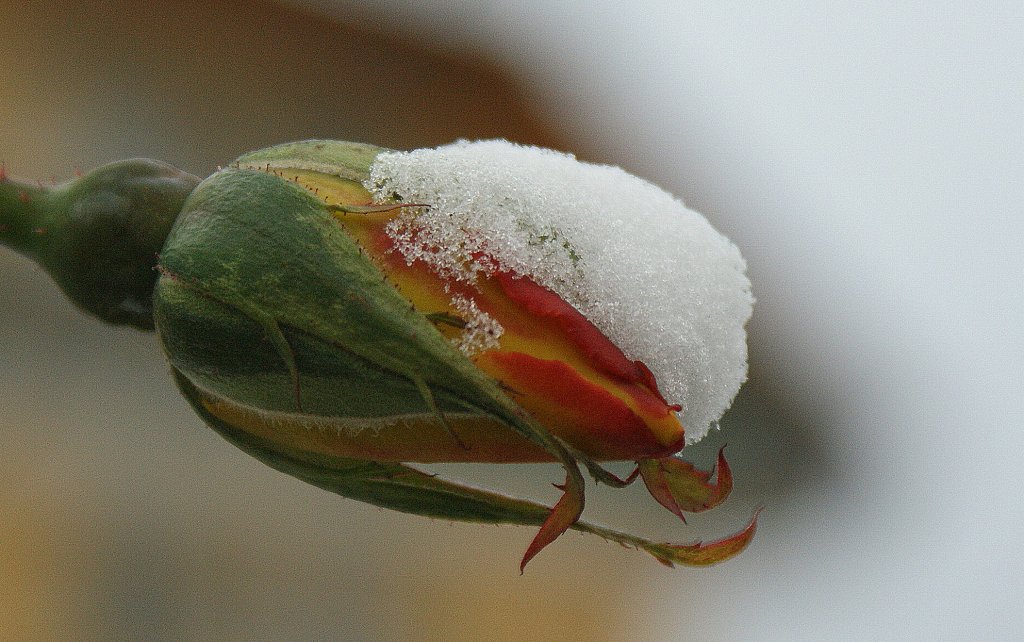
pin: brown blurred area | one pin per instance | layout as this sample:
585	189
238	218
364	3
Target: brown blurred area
121	516
196	83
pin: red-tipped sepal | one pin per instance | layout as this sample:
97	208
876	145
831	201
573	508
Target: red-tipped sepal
565	513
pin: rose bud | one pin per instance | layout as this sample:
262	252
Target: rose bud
337	310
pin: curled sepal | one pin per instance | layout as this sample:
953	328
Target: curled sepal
679	486
705	554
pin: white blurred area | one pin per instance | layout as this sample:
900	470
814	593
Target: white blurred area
867	159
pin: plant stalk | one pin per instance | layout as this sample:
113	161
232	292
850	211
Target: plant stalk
23	215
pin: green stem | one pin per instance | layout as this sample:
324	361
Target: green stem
98	236
23	215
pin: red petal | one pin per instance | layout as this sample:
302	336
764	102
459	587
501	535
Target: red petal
579	411
601	352
701	554
678	486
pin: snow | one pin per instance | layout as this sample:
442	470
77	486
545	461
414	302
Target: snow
651	274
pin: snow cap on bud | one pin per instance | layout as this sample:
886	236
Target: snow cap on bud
651	275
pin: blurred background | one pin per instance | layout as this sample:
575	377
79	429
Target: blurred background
866	158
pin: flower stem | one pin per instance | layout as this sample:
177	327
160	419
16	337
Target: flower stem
23	215
98	235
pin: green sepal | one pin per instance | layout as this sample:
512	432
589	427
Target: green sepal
279	265
332	157
402	488
385	484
